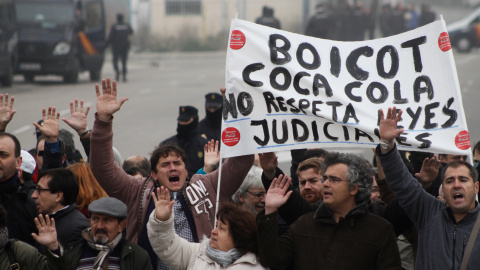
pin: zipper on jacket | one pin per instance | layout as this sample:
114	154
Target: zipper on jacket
464	244
454	241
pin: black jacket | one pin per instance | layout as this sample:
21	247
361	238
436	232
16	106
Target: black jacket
316	241
69	223
21	210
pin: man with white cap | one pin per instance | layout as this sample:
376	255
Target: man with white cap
26	171
102	246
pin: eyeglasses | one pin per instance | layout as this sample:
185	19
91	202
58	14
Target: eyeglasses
258	195
39	189
332	180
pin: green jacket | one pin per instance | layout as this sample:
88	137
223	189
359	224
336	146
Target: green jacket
133	257
26	256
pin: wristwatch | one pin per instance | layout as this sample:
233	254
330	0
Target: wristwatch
385	146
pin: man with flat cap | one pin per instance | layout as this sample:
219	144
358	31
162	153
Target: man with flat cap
188	138
102	246
210	127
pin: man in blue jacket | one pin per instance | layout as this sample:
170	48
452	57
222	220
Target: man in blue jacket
443	228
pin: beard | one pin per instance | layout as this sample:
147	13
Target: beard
102	240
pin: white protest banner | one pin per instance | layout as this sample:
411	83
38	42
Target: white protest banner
287	91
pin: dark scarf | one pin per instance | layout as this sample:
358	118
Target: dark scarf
11	181
214	118
184	131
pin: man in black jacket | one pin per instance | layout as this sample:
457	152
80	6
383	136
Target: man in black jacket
20	208
55	195
340	228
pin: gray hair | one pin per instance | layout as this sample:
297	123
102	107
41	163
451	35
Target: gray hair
359	173
252	180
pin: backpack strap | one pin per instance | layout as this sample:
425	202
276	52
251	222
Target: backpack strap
471	242
11	255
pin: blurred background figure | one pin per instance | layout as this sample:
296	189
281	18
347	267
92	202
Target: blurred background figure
321	23
119	39
427	15
268	19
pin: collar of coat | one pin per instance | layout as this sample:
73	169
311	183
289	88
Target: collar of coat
248	258
323	212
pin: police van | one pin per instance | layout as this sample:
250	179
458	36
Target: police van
62	37
8	42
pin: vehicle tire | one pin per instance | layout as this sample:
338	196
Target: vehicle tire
29	78
464	44
95	75
7	79
72	76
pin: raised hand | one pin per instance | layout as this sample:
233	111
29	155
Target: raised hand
277	194
163	205
223	90
388	125
269	164
429	172
6	111
107	103
50	124
211	157
78	120
47	234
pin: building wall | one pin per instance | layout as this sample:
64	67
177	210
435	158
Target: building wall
217	15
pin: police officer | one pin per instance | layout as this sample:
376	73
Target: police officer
210	126
188	138
118	38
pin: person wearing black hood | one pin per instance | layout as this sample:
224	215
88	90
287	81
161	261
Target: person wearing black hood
268	19
189	139
210	127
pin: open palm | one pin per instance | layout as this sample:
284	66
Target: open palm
163	205
47	234
277	194
107	103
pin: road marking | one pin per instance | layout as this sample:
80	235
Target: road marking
22	129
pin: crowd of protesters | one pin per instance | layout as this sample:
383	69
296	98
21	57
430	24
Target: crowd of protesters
59	210
340	213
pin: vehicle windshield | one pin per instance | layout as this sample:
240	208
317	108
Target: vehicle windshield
45	15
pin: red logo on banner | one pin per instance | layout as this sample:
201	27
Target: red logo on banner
444	42
462	140
230	136
237	40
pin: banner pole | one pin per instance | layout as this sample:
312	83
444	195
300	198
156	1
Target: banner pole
218	187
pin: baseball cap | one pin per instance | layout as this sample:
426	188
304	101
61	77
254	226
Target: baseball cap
28	162
187	112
